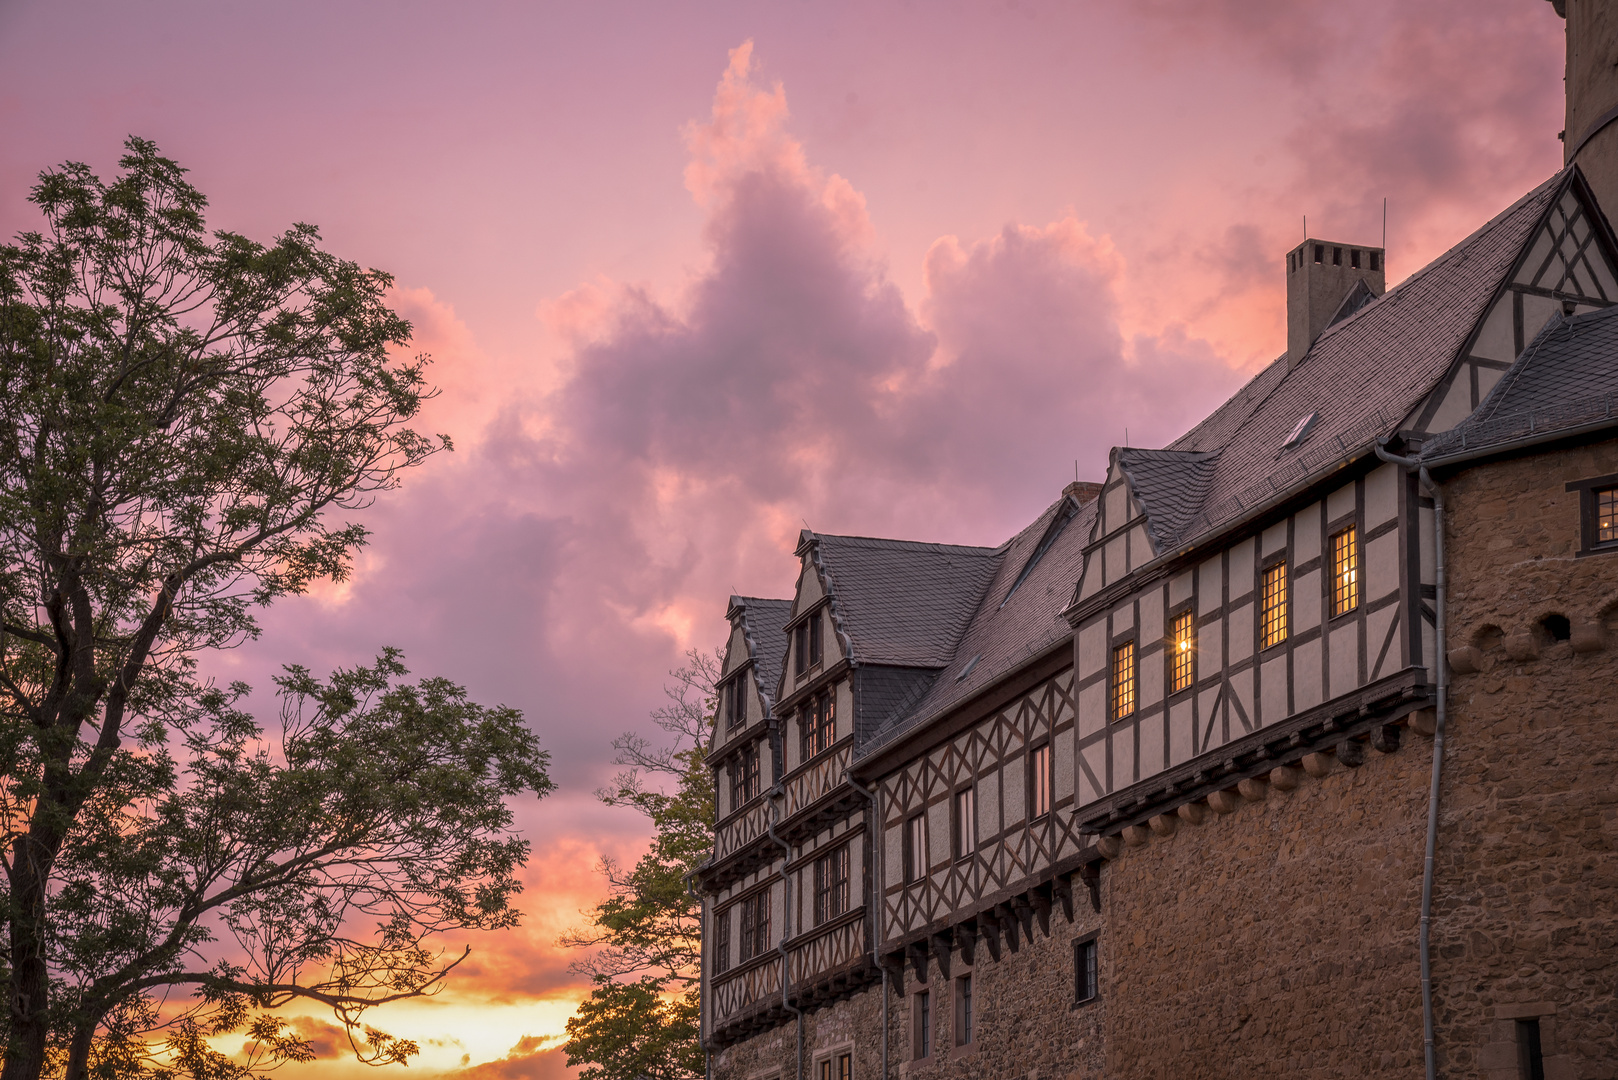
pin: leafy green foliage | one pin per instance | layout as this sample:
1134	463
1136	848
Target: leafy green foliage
650	926
185	417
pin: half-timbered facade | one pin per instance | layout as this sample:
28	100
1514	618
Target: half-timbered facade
960	747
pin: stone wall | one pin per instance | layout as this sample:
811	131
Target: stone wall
1526	912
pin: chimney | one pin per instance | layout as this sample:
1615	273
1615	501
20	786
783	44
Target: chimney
1326	283
1083	491
1590	135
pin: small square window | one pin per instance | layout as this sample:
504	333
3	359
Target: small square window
1182	652
1354	258
1274	628
1320	252
1345	561
1337	256
1123	680
1376	261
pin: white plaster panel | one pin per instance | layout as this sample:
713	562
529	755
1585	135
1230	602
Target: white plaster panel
1241	569
1376	631
1210	645
1345	658
722	792
1241	689
1536	312
1092	709
1340	502
1428	537
1496	340
1274	691
1091	581
1117	562
1115	507
809	589
1205	710
1274	538
1151	615
833	643
1123	618
1307	676
1455	406
1123	756
1536	256
989	803
1210	587
736	650
1140	547
1306	534
1092	648
1152	749
1429	643
1180	733
1150	671
1062	765
938	834
1382	566
1604	274
1095	760
1016	806
845	709
1381	495
1487	377
1180	588
1306	601
1241	634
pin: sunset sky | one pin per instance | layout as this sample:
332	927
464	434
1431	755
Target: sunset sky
697	274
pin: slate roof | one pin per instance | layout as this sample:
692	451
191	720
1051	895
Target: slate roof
1008	626
901	602
765	626
1362	376
1170	485
1567	377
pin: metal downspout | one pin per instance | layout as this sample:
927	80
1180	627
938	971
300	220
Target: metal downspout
786	924
876	885
1442	663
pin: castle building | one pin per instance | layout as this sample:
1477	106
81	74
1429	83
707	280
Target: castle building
1290	748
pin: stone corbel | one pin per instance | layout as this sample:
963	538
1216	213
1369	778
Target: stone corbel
1588	637
1467	660
1042	911
1523	646
943	945
1062	892
989	925
966	937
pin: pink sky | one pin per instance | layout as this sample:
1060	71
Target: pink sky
695	275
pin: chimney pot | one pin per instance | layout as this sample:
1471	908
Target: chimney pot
1324	288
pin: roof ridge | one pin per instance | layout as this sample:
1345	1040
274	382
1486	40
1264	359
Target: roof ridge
932	545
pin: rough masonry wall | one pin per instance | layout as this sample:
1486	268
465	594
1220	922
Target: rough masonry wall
855	1022
1278	939
1527	896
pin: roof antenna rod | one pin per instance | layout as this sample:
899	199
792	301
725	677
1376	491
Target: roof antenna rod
1384	231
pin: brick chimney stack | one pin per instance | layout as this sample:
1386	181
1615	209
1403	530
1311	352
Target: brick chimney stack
1327	282
1590	133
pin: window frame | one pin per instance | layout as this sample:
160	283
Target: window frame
1123	690
1590	492
817	652
831	880
914	843
800	649
963	1033
1283	607
817	719
964	823
721	947
755	926
736	701
1040	781
1087	968
921	1024
1188	616
1356	572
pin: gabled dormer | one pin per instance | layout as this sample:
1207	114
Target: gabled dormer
742	752
1146	500
1567	265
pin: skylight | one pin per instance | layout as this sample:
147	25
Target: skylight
970	664
1300	430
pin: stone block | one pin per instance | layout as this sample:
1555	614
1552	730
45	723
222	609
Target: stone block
1351	752
1424	722
1253	789
1194	813
1466	660
1163	824
1109	847
1137	835
1522	646
1385	738
1588	637
1285	778
1317	764
1223	802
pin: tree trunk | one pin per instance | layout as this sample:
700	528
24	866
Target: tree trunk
28	996
78	1055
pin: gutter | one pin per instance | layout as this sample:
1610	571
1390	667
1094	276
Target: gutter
1442	664
1537	439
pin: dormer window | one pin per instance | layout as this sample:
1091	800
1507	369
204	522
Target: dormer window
735	699
819	722
814	641
744	777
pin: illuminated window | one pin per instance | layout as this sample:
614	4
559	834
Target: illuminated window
1345	561
1182	653
1275	605
845	1067
1607	515
819	720
1039	781
1123	680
